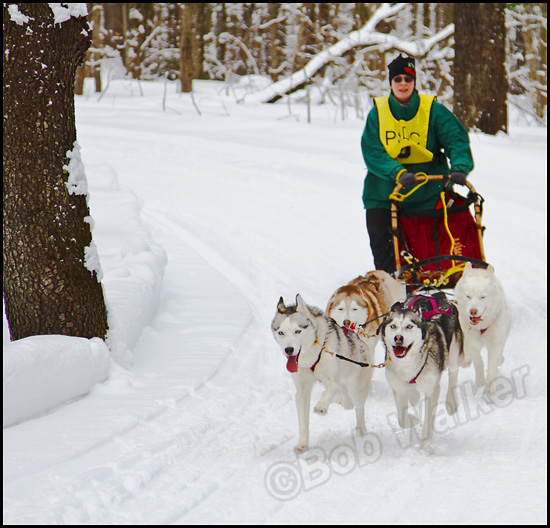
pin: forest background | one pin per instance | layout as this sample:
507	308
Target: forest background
336	52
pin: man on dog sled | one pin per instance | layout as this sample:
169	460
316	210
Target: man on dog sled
406	134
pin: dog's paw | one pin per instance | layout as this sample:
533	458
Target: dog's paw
360	431
301	448
490	389
427	447
345	402
451	405
320	409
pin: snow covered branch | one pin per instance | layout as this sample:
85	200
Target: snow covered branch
366	36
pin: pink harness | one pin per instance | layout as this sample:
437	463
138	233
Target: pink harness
435	309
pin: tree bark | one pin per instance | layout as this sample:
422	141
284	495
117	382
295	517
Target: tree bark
47	287
191	45
480	83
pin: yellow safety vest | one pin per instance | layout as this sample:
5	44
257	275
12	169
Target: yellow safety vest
405	141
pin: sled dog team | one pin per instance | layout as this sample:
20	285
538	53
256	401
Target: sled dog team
422	335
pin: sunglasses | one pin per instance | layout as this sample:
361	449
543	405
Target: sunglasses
400	79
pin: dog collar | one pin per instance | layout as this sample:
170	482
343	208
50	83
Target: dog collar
320	352
435	309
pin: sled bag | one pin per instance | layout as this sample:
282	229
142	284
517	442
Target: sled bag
426	237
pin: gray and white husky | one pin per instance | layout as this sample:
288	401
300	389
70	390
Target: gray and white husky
310	342
485	318
419	349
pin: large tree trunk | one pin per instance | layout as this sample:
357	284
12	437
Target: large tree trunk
480	84
49	284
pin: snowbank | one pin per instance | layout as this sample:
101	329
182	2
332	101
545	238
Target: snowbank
133	264
31	387
43	372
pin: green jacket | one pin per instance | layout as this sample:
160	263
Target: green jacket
447	138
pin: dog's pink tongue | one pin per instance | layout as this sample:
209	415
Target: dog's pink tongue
292	364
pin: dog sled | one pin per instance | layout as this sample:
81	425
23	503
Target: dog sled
432	247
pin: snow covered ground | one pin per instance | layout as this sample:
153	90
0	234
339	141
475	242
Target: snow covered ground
202	222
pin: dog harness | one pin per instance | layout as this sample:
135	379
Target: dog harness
435	309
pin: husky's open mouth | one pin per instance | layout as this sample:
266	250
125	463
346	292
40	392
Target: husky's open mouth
292	363
475	320
401	351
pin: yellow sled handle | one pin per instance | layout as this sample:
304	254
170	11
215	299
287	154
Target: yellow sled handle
437	177
394	217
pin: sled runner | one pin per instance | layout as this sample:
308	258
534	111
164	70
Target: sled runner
432	247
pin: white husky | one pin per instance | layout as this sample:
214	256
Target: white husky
310	341
485	319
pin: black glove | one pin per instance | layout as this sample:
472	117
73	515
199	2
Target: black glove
458	177
407	179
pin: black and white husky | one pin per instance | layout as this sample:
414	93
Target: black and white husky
420	348
310	342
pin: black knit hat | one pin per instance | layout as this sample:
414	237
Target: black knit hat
402	65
